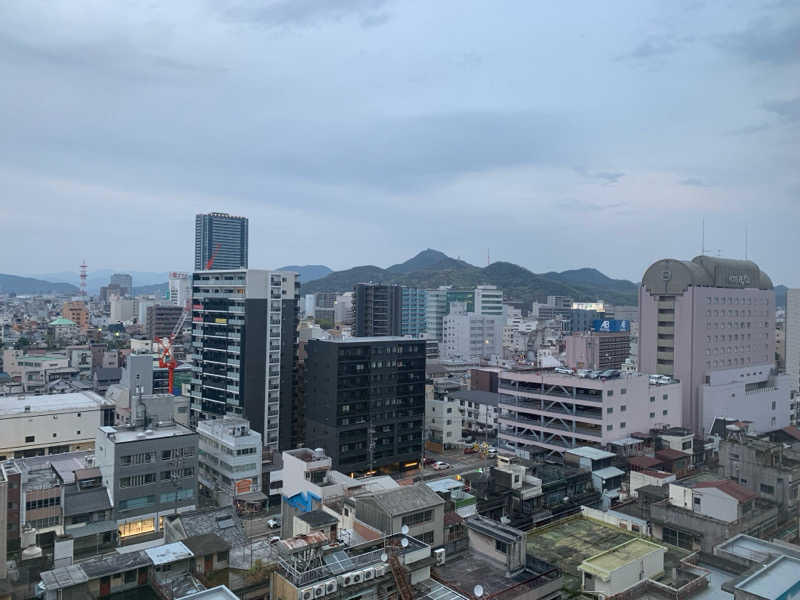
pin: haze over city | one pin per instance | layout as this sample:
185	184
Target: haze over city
360	132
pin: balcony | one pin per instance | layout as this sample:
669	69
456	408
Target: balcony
232	388
233	362
235	336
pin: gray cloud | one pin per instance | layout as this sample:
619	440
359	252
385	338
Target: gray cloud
748	129
608	177
694	181
585	206
300	13
788	110
764	42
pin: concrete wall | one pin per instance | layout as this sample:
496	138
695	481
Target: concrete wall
767	408
639	479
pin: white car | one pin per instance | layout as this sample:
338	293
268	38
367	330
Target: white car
440	465
274	539
583	373
273	523
563	370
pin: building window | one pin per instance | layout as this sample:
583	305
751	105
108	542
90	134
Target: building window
665	412
609	427
665	397
652	415
622	425
136	527
501	546
417	518
767	489
623	408
610	393
623	391
652	398
610	410
29	439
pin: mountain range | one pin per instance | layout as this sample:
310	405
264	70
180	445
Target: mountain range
28	285
432	268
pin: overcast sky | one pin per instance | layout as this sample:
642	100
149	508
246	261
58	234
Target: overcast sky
557	135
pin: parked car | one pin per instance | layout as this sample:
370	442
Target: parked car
273	522
469	450
428	461
563	370
595	374
440	465
583	373
274	539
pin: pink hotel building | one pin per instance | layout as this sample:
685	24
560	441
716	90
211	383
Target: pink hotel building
710	323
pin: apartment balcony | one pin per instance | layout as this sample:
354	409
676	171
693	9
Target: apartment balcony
239	310
232	388
237	322
234	349
668	330
196	380
233	362
235	336
666	355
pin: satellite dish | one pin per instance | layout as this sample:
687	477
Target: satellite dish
384	557
478	591
404	542
404	530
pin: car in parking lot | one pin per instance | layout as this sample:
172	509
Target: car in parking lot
440	465
583	373
563	370
470	450
273	522
595	374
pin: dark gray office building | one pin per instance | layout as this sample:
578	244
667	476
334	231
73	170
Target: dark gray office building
161	320
365	401
376	309
223	236
244	347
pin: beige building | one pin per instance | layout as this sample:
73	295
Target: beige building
76	311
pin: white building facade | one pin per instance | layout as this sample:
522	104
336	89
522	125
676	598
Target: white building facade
229	458
469	336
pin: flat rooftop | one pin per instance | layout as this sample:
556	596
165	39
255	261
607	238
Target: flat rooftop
463	572
169	553
568	542
216	593
372	339
122	435
591	453
48	403
777	580
610	560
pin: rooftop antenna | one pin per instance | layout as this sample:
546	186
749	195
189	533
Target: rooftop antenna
703	237
83	278
745	241
488	258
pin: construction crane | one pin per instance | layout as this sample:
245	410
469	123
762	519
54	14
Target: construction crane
212	257
166	357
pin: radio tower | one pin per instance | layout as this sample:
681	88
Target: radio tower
83	278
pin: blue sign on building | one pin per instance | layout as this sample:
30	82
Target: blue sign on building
612	325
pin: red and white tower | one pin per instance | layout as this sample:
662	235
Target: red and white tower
83	278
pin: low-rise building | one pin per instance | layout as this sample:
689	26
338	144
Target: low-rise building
150	473
51	423
478	409
613	571
229	461
443	423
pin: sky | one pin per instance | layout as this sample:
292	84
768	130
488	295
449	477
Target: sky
552	135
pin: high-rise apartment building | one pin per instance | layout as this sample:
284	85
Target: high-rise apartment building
376	309
792	336
180	288
124	281
412	311
365	401
222	236
710	323
244	342
489	301
471	336
324	307
76	311
484	300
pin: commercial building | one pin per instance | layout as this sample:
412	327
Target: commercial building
558	412
229	461
180	288
705	316
323	309
792	337
485	300
122	309
51	423
471	336
244	344
161	320
149	473
479	410
376	310
124	281
416	506
597	350
412	311
365	401
223	237
76	311
343	309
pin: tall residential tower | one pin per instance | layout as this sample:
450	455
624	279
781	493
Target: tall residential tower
244	343
222	236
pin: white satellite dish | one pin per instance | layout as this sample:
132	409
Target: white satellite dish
478	591
404	542
404	530
384	557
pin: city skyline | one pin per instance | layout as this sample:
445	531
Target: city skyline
520	136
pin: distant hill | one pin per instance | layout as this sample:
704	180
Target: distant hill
160	290
431	268
308	273
780	295
13	284
100	277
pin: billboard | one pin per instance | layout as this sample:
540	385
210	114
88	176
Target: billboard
611	325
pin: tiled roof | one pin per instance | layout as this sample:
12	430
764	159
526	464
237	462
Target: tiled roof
643	462
792	431
670	454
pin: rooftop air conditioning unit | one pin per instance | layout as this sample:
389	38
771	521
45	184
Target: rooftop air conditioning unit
368	574
380	570
439	555
356	577
345	580
306	593
319	590
330	586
